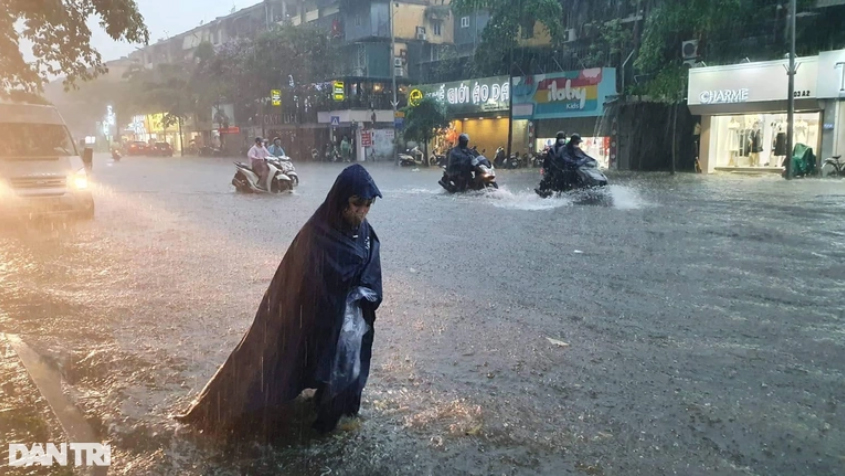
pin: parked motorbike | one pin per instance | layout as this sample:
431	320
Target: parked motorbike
835	166
413	158
437	159
282	177
483	177
208	151
585	177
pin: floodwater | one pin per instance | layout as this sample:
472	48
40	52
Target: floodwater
692	325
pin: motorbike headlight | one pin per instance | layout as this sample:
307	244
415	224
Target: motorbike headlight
80	180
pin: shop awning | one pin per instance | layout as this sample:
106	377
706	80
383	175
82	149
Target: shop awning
801	105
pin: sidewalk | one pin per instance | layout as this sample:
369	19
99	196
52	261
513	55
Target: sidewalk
25	416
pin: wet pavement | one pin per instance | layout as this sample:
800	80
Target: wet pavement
695	326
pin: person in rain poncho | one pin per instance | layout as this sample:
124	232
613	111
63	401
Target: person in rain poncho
297	340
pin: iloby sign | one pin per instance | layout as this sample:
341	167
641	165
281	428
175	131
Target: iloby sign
84	454
567	94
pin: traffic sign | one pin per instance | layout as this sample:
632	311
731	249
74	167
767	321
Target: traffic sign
335	120
398	122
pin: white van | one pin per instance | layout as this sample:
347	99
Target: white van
41	170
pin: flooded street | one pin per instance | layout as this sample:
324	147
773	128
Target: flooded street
695	326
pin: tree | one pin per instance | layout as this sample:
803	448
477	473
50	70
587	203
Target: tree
507	19
61	39
727	32
424	121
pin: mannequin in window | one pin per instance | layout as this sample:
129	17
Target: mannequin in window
733	141
801	132
780	141
756	140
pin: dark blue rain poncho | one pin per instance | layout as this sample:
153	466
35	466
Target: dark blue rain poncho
292	344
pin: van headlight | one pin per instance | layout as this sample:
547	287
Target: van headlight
80	180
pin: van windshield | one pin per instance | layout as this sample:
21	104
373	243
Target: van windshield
30	141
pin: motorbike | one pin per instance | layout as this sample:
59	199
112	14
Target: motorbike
413	158
282	177
585	177
483	177
437	159
837	166
116	155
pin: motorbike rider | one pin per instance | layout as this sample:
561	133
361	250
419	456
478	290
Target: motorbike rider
256	155
569	158
460	162
553	165
276	149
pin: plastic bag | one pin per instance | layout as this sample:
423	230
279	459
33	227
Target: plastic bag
347	362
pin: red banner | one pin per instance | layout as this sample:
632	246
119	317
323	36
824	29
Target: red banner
230	130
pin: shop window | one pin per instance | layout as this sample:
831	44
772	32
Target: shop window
758	140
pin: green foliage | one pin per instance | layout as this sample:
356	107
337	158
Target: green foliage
61	39
501	34
424	121
719	25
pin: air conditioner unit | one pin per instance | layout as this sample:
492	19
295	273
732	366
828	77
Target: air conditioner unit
397	62
689	50
421	36
570	35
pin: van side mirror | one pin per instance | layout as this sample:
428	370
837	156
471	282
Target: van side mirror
88	158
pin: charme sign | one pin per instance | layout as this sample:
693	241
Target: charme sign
467	97
724	96
566	94
743	86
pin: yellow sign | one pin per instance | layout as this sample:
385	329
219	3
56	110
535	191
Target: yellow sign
339	91
276	96
415	97
399	114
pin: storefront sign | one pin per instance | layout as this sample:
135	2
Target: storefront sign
831	74
751	82
724	96
566	94
231	130
472	96
276	97
414	97
366	139
339	91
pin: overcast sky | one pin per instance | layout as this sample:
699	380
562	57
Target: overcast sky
166	18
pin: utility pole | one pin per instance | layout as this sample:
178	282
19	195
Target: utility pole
510	102
790	109
395	101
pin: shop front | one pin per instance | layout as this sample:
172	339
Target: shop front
831	90
743	113
478	108
570	101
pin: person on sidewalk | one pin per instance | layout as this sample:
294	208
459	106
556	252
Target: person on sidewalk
300	338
